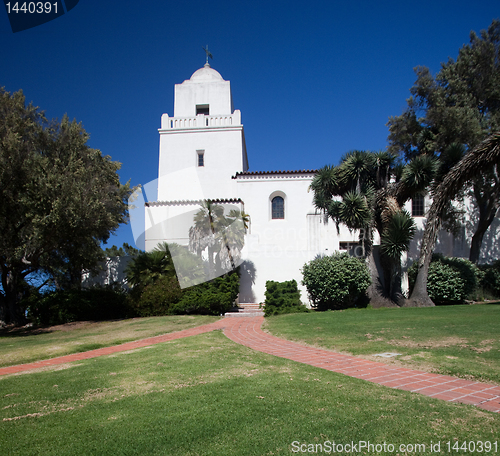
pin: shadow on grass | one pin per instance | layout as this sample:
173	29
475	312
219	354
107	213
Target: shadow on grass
34	330
23	331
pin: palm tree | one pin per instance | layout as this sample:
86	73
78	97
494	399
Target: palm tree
208	221
221	236
147	267
233	238
189	268
367	192
486	156
395	239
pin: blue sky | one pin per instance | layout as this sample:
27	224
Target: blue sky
313	80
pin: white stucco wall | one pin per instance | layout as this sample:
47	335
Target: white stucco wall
279	248
205	87
180	177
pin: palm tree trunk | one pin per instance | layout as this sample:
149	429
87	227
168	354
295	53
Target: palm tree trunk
376	291
395	290
419	296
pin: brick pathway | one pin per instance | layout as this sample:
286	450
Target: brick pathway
247	331
114	349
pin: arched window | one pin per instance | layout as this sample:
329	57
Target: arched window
417	206
278	208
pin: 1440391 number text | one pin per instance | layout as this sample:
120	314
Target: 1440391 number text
32	7
472	446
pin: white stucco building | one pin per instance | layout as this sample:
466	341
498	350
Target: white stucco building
203	156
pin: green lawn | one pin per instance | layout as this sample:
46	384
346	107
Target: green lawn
17	347
463	341
206	395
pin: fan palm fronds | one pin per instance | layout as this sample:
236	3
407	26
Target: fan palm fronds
418	173
325	184
397	235
356	167
384	162
354	211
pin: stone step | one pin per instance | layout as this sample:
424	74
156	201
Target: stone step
248	305
244	314
246	310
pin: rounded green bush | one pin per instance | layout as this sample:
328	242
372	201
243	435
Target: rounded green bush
338	281
445	284
450	280
209	298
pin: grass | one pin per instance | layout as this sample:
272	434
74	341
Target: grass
28	345
462	341
205	395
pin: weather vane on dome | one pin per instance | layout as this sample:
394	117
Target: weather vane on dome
209	54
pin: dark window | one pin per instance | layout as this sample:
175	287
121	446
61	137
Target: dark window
202	109
348	245
201	158
278	207
417	206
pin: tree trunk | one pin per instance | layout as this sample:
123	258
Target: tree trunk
376	293
475	245
10	313
488	207
395	289
419	296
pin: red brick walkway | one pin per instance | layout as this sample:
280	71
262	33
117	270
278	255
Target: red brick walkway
114	349
247	331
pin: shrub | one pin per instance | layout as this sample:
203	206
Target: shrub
282	297
165	297
490	280
209	298
450	280
445	284
157	298
338	281
95	303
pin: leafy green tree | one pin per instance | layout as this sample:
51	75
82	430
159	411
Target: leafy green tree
125	250
60	200
460	105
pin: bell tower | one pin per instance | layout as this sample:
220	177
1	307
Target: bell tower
201	147
203	142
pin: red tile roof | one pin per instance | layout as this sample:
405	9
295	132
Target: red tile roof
263	173
187	202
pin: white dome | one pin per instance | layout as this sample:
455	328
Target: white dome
206	74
